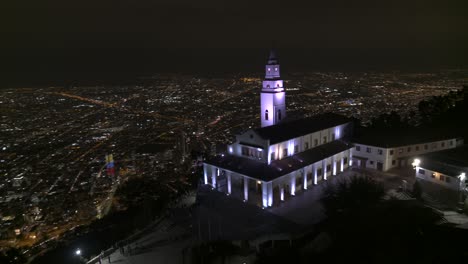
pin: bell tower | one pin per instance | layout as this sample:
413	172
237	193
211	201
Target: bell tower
272	97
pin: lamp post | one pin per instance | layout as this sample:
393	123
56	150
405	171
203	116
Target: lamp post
78	254
461	188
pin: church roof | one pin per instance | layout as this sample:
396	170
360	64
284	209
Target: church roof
277	168
296	128
455	157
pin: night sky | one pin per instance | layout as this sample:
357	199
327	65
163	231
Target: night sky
47	41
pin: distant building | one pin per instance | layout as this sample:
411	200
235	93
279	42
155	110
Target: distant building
391	149
110	165
448	168
270	164
182	146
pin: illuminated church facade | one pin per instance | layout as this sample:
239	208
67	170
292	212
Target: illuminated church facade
271	164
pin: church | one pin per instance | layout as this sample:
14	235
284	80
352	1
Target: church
269	165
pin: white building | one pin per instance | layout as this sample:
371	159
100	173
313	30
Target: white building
270	164
447	168
384	151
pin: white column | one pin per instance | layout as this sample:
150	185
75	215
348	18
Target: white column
213	177
305	178
228	182
264	195
324	169
314	171
334	165
342	164
293	183
270	193
246	188
282	192
205	173
350	157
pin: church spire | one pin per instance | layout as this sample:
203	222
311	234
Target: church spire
272	96
272	68
272	59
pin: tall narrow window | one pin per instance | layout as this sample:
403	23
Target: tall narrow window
279	114
266	114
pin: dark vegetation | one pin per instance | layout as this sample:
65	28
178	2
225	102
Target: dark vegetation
364	228
443	114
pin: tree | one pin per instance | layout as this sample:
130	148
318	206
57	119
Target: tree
417	191
354	193
366	228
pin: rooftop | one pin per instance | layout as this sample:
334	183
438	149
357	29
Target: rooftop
450	162
277	168
296	128
390	138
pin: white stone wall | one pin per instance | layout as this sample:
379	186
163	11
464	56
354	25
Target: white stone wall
390	156
249	137
321	137
438	178
288	182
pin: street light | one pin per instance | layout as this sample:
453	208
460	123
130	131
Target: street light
78	252
416	163
461	188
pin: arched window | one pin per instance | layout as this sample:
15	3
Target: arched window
279	114
266	114
268	86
